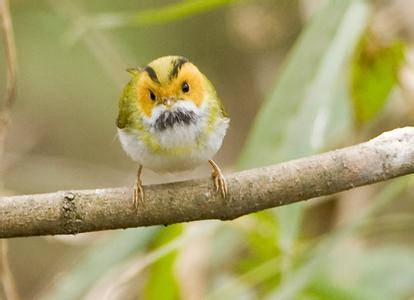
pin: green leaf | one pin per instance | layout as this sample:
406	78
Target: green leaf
375	69
232	287
160	15
322	288
162	283
148	17
262	246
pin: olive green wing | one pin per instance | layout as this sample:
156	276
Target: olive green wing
222	109
212	91
127	108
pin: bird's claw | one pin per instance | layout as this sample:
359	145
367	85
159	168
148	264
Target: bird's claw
219	182
138	195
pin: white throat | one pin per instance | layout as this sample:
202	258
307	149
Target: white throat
173	131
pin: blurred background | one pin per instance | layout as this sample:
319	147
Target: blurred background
297	78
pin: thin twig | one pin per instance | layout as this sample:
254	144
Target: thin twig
69	212
5	273
10	53
7	279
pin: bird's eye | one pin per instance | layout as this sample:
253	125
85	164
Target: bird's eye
186	87
152	95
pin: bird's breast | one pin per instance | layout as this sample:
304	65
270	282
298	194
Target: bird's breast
178	149
174	140
179	130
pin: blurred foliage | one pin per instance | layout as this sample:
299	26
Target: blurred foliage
152	16
375	71
262	247
162	271
389	268
306	271
168	13
64	118
105	255
309	91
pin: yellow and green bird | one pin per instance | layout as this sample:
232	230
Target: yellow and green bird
171	119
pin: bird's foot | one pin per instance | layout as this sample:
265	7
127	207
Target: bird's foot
138	196
218	179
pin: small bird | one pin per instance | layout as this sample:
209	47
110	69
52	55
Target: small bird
171	119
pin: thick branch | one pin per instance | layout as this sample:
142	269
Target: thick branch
68	212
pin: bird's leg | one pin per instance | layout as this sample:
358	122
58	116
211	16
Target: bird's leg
218	178
138	197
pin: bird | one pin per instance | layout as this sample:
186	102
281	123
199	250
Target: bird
170	120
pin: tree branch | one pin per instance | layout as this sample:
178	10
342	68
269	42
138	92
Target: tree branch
69	212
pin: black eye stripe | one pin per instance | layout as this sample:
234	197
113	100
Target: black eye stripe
152	74
177	65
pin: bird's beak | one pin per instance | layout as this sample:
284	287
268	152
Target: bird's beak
167	101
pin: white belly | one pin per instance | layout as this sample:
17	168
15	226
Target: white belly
186	138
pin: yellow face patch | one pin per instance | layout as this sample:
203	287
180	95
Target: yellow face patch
146	86
153	89
191	75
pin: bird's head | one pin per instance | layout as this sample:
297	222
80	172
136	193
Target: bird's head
169	85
